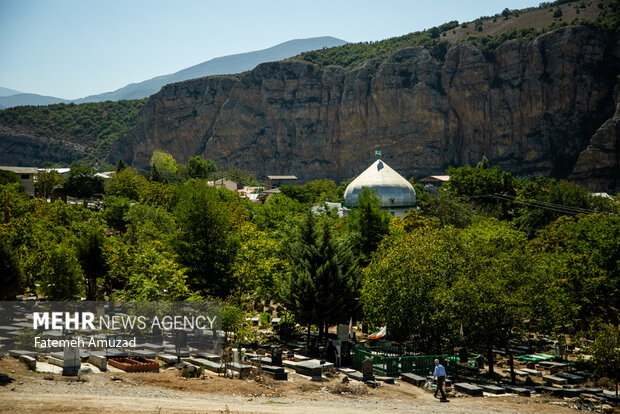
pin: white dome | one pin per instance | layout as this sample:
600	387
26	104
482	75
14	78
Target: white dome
392	189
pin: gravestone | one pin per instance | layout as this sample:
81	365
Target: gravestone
343	332
552	379
572	378
469	389
368	372
156	336
346	359
71	364
276	356
314	347
337	350
463	356
518	390
414	379
493	389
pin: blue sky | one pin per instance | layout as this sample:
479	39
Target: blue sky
75	48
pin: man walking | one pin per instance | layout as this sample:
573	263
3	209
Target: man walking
440	376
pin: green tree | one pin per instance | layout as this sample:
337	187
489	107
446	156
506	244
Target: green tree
490	294
158	194
46	182
205	243
259	266
152	275
299	288
450	209
199	168
584	268
148	223
114	212
322	287
81	182
165	164
120	166
60	274
606	352
470	181
11	274
314	192
7	177
402	282
370	222
126	183
545	200
336	281
90	252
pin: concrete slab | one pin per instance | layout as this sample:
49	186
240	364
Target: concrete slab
48	368
99	360
209	356
518	390
387	380
493	389
532	372
55	361
311	369
149	346
571	378
146	353
414	379
30	362
552	379
469	389
556	392
571	392
168	358
16	353
518	372
277	373
209	365
548	364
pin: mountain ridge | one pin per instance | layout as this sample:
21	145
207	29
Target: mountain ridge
229	64
425	109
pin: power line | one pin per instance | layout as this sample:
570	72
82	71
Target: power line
560	208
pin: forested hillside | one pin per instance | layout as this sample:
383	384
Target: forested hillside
87	130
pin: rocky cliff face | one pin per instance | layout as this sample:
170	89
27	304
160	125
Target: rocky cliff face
23	148
541	106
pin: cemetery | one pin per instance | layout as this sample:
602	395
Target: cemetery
543	369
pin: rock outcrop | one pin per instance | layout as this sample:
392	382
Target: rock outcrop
27	149
537	106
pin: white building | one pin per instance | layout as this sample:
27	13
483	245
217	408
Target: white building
26	176
396	194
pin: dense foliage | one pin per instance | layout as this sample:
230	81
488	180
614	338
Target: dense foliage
92	125
352	54
500	256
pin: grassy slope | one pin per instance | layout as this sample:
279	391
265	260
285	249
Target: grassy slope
516	23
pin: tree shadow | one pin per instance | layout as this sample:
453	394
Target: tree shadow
5	380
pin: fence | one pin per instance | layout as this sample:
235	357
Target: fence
391	361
